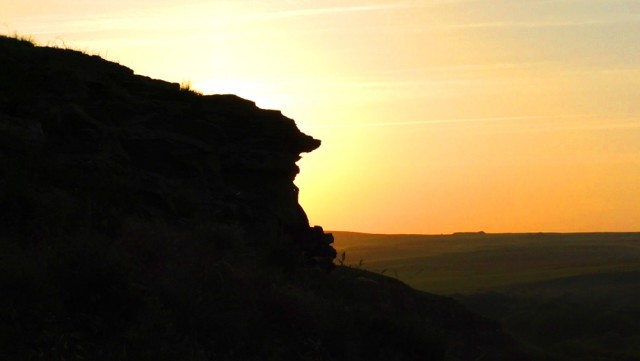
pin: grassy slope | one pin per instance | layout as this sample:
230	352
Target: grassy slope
466	263
158	292
587	317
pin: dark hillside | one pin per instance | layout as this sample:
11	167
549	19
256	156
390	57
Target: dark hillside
142	221
589	317
575	296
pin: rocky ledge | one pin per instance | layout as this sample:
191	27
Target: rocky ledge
95	132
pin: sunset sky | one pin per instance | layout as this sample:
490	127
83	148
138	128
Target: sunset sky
435	116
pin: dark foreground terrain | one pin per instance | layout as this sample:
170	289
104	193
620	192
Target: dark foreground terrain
571	296
142	221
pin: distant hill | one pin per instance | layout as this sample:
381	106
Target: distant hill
575	296
464	263
143	221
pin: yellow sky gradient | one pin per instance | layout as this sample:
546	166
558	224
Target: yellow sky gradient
436	116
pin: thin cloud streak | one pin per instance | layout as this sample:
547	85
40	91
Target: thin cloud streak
453	121
467	68
165	19
630	122
132	20
353	8
330	10
632	18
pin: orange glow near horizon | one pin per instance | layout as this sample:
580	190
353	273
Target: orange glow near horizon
435	116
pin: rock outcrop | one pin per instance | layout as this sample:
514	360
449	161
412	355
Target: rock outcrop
148	148
142	221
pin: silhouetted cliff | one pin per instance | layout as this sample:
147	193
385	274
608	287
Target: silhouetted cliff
139	220
151	149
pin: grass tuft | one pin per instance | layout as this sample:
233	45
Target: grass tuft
26	38
187	87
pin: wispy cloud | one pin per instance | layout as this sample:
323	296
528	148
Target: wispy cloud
329	10
204	15
445	121
631	18
544	123
200	16
465	68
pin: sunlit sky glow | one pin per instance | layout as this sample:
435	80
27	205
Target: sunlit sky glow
436	116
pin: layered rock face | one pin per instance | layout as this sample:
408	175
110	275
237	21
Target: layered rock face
100	134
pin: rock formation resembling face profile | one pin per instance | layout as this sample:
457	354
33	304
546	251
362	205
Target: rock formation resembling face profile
154	149
139	220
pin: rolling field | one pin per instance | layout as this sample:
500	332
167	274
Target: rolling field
473	262
565	296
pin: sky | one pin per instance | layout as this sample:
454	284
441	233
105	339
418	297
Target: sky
435	116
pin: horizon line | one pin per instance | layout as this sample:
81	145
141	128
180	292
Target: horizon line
480	233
